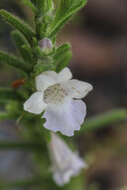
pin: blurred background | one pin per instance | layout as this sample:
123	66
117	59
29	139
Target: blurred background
98	35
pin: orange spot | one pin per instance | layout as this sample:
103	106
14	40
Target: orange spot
18	83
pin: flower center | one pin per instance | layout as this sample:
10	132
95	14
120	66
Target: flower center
54	94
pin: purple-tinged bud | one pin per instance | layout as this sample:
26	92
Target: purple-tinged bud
46	45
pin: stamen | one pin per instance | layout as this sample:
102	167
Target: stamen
54	94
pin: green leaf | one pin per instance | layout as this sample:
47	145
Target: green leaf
44	17
22	45
3	102
27	54
11	60
30	5
63	61
19	38
9	94
34	2
45	6
41	67
62	49
4	116
18	24
62	57
24	146
65	10
103	120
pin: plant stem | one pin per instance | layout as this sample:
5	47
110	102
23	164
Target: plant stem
105	119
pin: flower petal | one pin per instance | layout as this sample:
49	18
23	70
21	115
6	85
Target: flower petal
35	103
78	110
65	75
76	88
45	80
62	178
65	163
73	166
65	118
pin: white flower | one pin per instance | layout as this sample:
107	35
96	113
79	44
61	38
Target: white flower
65	163
55	93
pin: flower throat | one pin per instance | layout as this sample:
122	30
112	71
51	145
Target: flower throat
54	94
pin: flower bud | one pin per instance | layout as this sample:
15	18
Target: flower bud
46	45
